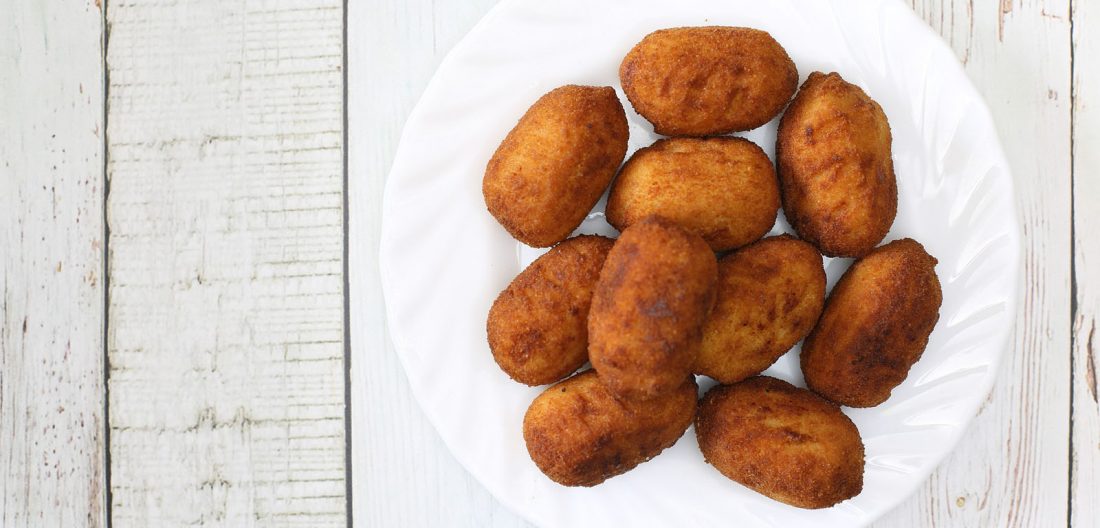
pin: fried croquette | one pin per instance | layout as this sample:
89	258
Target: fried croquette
781	441
769	296
555	164
579	434
645	324
723	189
538	326
835	167
875	325
704	81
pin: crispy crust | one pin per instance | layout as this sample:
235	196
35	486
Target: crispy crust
703	81
769	297
875	325
781	441
723	189
556	163
538	326
654	293
835	167
579	434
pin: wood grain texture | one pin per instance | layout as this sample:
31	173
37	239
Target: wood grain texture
51	265
402	472
1010	469
225	330
1085	455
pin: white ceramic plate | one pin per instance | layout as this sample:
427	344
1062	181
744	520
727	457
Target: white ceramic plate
444	258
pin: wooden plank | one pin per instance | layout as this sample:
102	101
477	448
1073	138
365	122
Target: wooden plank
1085	454
225	331
1010	469
403	474
51	265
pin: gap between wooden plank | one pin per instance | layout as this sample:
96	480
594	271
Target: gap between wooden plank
1072	259
103	5
348	437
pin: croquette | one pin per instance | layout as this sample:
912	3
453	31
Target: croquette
579	433
654	292
836	172
538	326
769	296
875	325
723	189
555	164
781	441
705	81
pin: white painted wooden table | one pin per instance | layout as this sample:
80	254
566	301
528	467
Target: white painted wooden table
185	186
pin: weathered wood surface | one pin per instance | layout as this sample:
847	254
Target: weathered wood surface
221	131
51	265
226	314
